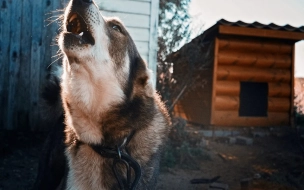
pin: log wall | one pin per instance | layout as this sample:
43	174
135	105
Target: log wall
252	60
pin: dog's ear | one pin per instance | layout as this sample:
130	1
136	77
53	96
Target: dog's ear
143	83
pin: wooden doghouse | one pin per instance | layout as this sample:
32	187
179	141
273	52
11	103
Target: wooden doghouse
246	72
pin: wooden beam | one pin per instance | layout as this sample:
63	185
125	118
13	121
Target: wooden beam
259	59
278	104
214	80
232	118
237	73
254	45
279	90
129	19
227	103
292	111
258	32
139	34
227	88
126	6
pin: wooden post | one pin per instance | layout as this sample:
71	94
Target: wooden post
5	15
23	89
14	63
37	23
212	121
292	112
152	62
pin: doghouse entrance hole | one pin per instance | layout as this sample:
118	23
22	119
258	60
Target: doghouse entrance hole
253	99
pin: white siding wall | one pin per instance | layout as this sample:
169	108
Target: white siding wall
141	19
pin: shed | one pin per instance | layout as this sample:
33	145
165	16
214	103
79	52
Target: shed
28	33
242	75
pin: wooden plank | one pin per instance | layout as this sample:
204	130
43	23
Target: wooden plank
139	34
130	20
214	81
23	89
252	74
143	47
254	45
232	119
262	60
126	6
4	65
153	45
278	104
229	88
258	32
279	90
47	36
227	103
14	63
37	23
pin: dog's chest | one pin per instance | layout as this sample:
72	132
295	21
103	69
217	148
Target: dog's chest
88	170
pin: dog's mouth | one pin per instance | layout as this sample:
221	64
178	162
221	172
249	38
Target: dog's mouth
78	27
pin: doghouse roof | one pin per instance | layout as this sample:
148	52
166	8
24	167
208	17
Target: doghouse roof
240	28
255	29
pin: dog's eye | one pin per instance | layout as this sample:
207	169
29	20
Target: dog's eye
117	28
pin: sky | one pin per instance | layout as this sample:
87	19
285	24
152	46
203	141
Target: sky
205	13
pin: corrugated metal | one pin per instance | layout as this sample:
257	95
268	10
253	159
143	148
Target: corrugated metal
271	26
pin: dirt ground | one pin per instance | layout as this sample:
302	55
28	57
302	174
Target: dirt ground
272	162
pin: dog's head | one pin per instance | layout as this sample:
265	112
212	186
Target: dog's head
99	53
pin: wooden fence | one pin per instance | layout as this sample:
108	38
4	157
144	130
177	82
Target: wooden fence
27	44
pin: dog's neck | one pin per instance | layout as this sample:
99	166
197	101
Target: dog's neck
86	101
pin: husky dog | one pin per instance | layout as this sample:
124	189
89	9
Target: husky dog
114	122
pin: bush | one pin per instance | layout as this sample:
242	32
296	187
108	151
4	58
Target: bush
181	151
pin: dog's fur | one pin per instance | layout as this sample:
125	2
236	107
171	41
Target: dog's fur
106	93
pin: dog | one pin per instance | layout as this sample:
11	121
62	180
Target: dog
113	126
